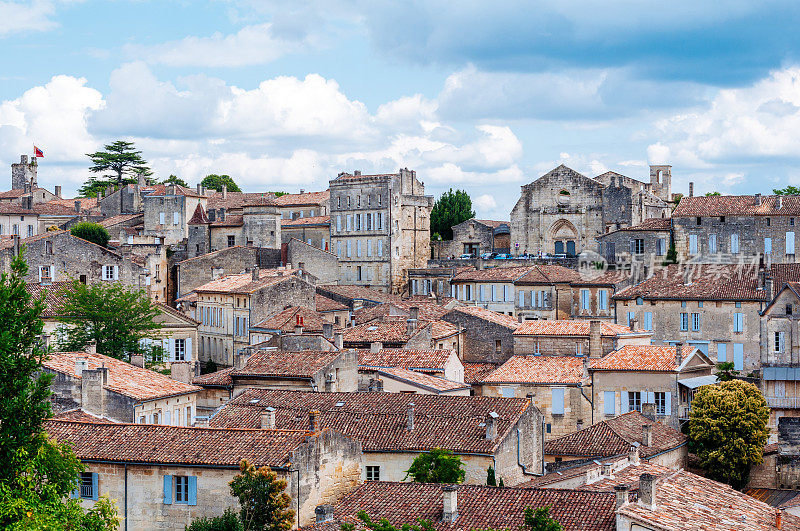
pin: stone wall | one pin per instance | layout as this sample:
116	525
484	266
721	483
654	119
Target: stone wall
321	264
570	345
480	338
201	269
616	246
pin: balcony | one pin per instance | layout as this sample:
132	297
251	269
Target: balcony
783	402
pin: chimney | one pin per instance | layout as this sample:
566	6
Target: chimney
298	324
302	191
92	390
450	503
780	202
632	325
647	434
91	347
182	371
691	189
137	360
595	340
678	354
256	272
81	364
649	410
357	173
621	492
268	419
410	417
323	513
240	359
77	206
224	191
768	287
778	519
199	189
491	426
313	421
58	191
375	346
338	341
647	491
411	325
327	331
633	455
585	374
758	199
170	190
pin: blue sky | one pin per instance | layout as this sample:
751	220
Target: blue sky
484	96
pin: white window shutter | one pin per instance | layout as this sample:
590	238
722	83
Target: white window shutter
176	218
668	403
790	243
116	272
40	273
651	397
623	403
171	349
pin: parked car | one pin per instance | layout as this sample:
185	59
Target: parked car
504	256
488	256
466	256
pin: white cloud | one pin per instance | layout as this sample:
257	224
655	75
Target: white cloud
251	45
20	17
484	202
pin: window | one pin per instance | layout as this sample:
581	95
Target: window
684	322
557	404
769	222
738	322
631	317
181	489
609	403
699	304
788	309
30	231
683	304
639	301
348	201
231	240
778	342
349	222
734	243
648	321
176	218
767	245
180	350
498	347
380	199
585	299
373	473
521	302
507	392
699	220
661	403
358	200
348	248
738	356
189	415
548	428
712	243
358	221
695	322
110	272
380	220
693	244
161	218
87	486
602	299
661	246
358	273
339	202
637	246
338	223
635	401
45	273
790	243
791	222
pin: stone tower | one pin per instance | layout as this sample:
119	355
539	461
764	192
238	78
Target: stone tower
199	241
23	173
661	181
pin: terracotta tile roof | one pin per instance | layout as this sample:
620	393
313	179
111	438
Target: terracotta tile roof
150	443
442	329
279	364
221	378
379	420
14	208
285	320
167	309
53	296
548	274
475	372
391	331
686	501
231	220
307	198
738	205
123	378
491	223
611	278
488	315
244	283
479	506
783	273
302	222
615	437
705	282
324	304
431	360
353	292
538	369
628	475
120	218
421	379
87	203
427	310
349	177
161	190
568	327
493	274
199	217
79	415
655	358
15	192
657	224
236	200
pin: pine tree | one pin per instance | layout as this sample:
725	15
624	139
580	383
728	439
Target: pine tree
490	479
120	158
450	209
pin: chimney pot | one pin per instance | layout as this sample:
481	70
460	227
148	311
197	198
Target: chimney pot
647	491
491	426
224	191
410	417
338	341
621	492
256	272
268	419
58	191
199	189
780	201
450	503
413	313
91	347
758	199
632	325
633	455
327	331
313	421
778	518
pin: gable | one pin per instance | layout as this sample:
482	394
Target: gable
563	177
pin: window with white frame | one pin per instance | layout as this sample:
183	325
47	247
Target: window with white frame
734	243
180	350
695	322
684	322
373	473
778	343
109	272
634	401
661	403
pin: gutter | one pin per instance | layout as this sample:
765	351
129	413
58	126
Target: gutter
154	463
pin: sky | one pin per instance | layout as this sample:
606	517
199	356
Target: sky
481	96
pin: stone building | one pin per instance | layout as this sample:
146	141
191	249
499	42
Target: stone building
400	380
355	297
488	335
113	389
546	292
394	428
145	468
254	222
304	205
17	220
736	229
407	333
564	212
566	337
199	270
441	363
292	320
433	281
322	264
646	242
475	237
593	295
493	289
714	307
314	231
227	306
380	227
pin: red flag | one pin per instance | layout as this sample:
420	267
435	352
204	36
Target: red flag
37	152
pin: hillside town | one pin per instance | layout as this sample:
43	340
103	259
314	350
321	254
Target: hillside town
554	355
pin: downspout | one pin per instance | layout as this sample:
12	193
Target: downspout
591	402
125	504
298	495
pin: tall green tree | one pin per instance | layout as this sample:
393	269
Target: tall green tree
726	371
491	480
265	504
215	182
112	315
728	430
174	179
123	162
93	232
37	473
450	209
789	190
437	466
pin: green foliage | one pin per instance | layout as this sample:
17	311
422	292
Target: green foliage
93	232
210	367
728	430
490	479
265	505
121	159
278	194
539	520
672	253
501	483
725	371
384	525
229	521
789	190
215	182
712	194
112	315
451	209
437	466
174	179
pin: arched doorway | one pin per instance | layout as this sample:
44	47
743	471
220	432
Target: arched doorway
564	237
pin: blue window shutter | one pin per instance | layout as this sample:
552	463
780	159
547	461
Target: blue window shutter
557	402
623	403
668	403
168	490
722	354
738	356
651	397
94	486
192	490
609	408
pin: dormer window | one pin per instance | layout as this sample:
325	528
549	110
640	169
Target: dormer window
788	309
699	220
